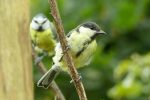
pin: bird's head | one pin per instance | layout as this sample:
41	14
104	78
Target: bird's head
90	28
40	23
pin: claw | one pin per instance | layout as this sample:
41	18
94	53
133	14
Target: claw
79	79
66	49
45	54
38	60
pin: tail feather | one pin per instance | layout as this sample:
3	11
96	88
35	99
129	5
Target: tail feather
47	78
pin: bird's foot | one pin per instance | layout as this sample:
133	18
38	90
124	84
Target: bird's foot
45	54
66	49
38	60
77	80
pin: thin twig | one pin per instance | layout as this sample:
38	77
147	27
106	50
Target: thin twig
68	58
54	87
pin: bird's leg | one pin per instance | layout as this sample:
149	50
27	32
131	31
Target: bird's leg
66	49
79	79
40	58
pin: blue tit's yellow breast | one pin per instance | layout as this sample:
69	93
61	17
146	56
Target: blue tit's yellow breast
43	40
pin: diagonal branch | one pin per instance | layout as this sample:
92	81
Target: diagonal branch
68	58
54	87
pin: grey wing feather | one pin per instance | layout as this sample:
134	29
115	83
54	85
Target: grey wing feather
47	78
53	30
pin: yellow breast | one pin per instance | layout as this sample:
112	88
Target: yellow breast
76	44
86	56
43	40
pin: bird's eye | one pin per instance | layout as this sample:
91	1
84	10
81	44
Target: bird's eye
44	21
92	28
36	21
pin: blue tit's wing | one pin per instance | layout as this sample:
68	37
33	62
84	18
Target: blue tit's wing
53	29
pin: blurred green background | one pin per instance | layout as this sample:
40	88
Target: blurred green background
120	69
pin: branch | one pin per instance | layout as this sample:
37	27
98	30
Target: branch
54	87
68	58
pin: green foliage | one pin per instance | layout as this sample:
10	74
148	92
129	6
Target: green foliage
116	72
133	77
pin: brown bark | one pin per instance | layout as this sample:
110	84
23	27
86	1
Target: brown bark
15	51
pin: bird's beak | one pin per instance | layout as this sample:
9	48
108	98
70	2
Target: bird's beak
40	29
101	32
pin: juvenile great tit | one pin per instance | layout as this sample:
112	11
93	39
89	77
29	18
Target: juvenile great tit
42	35
82	45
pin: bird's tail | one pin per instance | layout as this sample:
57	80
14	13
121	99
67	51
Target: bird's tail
48	77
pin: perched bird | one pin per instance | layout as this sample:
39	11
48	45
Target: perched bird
82	45
42	35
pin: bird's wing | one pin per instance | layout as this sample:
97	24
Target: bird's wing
53	29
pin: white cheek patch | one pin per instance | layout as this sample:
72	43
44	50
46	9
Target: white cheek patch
46	25
34	25
87	31
82	29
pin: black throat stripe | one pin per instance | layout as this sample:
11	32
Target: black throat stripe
84	47
94	36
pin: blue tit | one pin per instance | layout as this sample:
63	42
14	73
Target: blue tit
42	35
